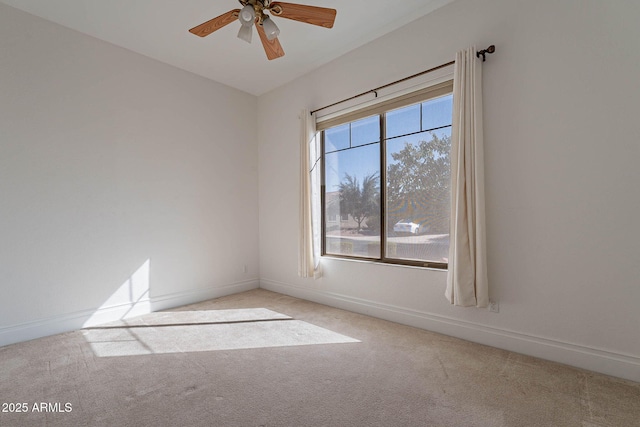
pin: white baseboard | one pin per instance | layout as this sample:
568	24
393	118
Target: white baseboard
177	299
73	321
606	362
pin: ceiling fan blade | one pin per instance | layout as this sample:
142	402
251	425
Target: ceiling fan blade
215	24
272	48
321	16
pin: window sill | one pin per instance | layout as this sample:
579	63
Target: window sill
382	263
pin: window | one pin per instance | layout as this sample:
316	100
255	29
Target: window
404	144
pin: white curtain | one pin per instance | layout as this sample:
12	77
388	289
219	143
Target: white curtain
309	251
467	277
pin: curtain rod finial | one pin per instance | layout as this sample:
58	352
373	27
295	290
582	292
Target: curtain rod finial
483	52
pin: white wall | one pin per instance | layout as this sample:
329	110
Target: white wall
108	160
562	177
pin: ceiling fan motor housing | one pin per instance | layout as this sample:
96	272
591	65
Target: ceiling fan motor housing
262	4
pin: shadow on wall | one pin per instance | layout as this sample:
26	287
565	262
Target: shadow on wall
129	299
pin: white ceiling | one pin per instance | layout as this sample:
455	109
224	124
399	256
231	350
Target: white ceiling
159	29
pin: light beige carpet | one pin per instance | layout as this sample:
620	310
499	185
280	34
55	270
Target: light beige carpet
264	359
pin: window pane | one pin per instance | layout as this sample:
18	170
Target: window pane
365	131
336	138
416	148
352	202
403	121
437	112
418	196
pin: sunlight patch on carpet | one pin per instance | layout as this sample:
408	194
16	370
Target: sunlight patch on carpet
215	330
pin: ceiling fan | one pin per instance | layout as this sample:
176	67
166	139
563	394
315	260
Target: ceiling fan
253	11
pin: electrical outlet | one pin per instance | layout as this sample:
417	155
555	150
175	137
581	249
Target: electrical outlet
245	269
494	306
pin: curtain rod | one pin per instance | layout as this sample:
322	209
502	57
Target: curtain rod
483	52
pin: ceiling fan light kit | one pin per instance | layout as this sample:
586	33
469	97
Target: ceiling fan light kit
245	33
270	28
247	15
254	12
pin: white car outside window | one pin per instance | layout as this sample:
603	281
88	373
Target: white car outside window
406	226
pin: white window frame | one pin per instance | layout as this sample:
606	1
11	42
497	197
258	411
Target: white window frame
431	89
